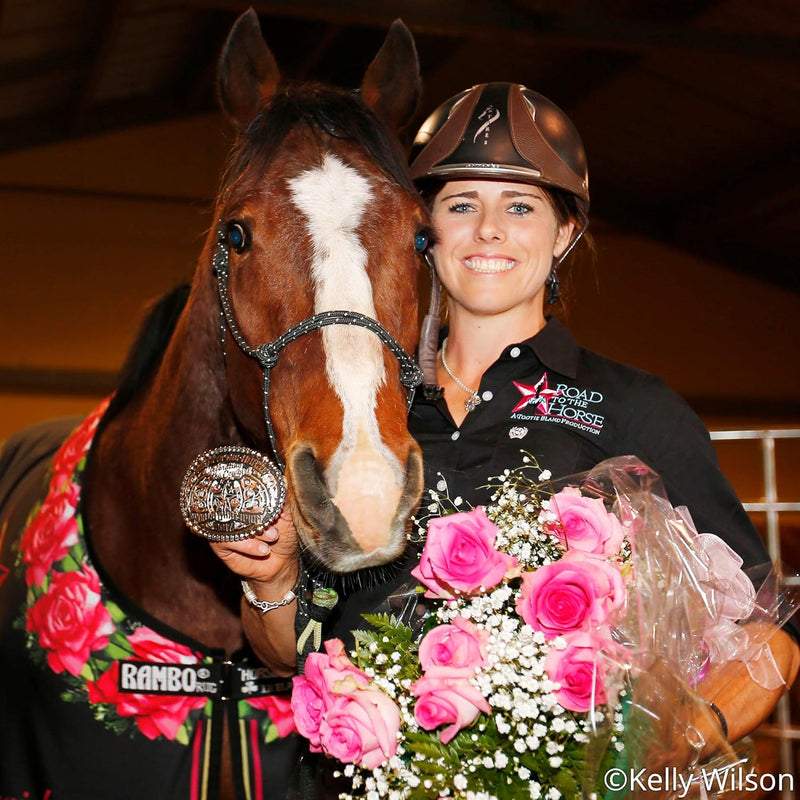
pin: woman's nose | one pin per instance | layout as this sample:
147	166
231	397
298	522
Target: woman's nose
489	228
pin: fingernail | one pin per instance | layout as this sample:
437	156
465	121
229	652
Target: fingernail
263	548
271	534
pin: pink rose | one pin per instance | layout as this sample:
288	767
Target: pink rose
575	593
459	556
76	447
446	697
582	523
50	535
578	673
279	708
332	671
327	675
308	706
155	714
360	728
461	645
71	620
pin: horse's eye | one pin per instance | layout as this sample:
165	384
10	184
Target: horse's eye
238	237
421	242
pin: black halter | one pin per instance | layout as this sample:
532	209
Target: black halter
268	353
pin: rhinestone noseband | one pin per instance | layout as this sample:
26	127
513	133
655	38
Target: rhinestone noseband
267	354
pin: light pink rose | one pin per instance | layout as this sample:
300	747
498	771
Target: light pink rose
578	672
578	592
445	696
584	524
327	675
332	671
50	535
279	708
360	728
459	556
461	645
308	706
155	714
71	620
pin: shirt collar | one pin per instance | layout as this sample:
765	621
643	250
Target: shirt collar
553	345
556	348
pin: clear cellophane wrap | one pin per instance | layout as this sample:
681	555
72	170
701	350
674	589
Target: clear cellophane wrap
694	622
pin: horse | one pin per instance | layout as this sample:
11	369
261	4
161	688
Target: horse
281	357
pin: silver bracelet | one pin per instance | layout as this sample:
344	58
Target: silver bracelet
265	605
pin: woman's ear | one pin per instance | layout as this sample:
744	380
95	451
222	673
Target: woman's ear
563	238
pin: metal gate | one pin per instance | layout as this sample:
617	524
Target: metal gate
772	507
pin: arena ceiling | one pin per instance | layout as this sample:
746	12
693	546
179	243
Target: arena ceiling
689	109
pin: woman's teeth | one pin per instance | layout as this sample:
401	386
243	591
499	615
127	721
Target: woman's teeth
489	264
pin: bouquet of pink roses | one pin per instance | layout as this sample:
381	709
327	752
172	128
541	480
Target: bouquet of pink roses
569	631
503	692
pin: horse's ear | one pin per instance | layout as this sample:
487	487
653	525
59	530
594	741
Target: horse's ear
391	85
248	75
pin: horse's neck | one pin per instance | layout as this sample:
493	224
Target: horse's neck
132	511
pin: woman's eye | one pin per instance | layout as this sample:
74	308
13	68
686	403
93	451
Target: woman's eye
460	208
238	237
521	208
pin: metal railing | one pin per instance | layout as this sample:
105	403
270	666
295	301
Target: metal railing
772	508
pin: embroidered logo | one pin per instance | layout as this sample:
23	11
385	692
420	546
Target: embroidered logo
541	394
572	406
490	114
518	432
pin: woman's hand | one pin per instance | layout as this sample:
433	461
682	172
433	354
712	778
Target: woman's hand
271	557
270	563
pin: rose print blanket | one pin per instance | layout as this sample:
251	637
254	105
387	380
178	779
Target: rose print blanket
97	700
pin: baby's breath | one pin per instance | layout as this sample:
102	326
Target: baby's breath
528	746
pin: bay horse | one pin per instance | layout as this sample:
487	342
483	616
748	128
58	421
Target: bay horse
124	670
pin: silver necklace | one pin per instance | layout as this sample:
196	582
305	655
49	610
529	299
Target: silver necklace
473	400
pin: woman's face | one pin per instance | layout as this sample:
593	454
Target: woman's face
495	243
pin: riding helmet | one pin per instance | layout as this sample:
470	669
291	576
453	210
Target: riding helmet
502	131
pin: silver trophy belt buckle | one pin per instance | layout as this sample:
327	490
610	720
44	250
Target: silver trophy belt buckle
231	493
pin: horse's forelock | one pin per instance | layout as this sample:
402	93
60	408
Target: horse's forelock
327	112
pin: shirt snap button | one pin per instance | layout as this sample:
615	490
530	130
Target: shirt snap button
514	352
487	396
455	435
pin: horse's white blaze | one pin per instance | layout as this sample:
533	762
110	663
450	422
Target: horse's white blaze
363	477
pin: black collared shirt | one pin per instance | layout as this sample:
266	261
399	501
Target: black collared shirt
571	409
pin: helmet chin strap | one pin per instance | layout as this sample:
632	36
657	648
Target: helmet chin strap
553	289
429	336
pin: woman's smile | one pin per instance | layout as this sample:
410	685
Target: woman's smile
489	265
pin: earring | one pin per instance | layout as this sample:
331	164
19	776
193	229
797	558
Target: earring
553	289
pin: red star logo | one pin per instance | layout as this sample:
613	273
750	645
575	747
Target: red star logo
541	394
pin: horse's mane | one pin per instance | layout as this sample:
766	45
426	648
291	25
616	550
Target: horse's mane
322	108
145	354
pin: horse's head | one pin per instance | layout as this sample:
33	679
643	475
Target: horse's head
316	214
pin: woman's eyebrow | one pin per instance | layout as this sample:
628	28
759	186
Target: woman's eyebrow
472	195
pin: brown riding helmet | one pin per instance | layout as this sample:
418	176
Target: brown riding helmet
503	131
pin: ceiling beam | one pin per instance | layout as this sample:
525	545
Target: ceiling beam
105	39
488	19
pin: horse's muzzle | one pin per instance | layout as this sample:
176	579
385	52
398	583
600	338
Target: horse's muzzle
368	534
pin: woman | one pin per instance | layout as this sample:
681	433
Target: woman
504	173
